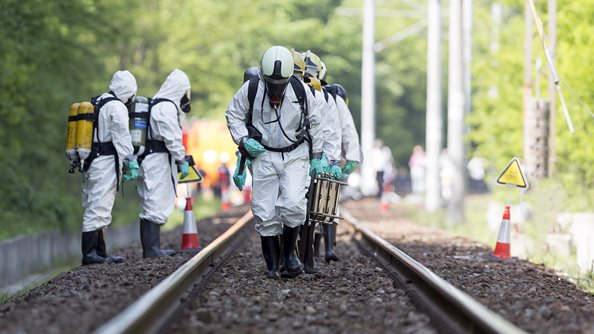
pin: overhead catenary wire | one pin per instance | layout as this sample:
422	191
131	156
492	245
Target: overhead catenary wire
554	74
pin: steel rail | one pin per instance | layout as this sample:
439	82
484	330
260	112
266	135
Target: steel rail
152	310
463	313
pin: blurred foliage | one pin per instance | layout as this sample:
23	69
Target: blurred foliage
496	122
53	53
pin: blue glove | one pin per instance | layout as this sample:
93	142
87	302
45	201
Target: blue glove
350	167
317	166
336	172
253	147
184	169
239	179
131	170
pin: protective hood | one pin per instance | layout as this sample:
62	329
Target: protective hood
123	85
174	87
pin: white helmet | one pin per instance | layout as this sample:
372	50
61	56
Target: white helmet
276	68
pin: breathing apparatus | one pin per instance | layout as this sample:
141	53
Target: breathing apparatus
276	67
186	102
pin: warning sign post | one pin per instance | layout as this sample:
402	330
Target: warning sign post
512	175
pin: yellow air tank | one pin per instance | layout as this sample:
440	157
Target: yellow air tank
71	136
84	131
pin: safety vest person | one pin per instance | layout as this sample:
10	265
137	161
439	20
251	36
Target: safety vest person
112	146
274	136
158	171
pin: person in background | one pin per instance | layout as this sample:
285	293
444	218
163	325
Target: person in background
380	158
417	163
476	170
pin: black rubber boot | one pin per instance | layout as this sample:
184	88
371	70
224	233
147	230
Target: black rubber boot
310	264
329	233
271	252
150	236
102	250
292	265
89	248
317	241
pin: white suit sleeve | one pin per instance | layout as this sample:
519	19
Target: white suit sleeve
236	114
167	127
350	138
315	121
332	130
120	133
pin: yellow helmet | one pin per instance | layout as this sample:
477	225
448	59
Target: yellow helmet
299	63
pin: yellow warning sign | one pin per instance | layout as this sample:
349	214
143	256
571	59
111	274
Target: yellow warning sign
512	175
193	176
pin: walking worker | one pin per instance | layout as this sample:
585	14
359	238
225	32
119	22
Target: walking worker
158	171
272	130
350	153
112	146
332	141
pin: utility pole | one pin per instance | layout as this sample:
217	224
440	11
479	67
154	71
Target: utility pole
434	114
467	53
552	23
537	116
368	96
456	113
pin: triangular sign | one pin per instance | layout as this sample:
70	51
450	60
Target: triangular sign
512	175
193	176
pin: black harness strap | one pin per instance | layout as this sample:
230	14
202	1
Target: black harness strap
99	148
304	123
152	145
287	148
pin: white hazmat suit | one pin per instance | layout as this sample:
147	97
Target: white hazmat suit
158	172
332	128
99	181
279	179
351	149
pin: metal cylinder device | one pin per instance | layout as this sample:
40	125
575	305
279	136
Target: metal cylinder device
84	131
138	124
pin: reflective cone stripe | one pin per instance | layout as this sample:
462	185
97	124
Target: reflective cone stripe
502	247
190	238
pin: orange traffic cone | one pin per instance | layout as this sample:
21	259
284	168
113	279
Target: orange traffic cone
384	201
502	247
190	239
225	202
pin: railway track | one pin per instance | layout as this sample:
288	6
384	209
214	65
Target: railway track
450	309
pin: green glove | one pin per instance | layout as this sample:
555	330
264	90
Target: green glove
317	166
132	170
253	147
336	172
239	179
350	167
184	169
